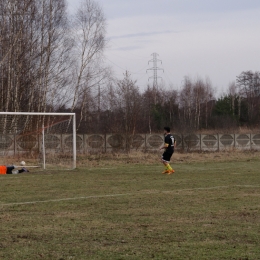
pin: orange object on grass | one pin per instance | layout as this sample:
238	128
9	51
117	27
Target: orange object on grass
3	169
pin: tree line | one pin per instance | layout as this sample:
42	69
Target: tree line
54	62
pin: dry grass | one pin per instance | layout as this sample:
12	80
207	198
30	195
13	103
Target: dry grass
138	157
207	210
236	130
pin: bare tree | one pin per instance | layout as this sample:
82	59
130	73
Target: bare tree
89	29
248	83
35	32
13	26
232	92
209	101
129	101
195	98
148	103
186	99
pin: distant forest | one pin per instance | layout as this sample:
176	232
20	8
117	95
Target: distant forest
53	62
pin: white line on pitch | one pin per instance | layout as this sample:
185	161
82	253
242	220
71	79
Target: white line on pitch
76	198
126	194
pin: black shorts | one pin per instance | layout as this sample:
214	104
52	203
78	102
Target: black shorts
9	169
166	157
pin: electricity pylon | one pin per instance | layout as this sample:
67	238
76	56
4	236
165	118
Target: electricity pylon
155	69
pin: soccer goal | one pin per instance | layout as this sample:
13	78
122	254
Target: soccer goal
47	140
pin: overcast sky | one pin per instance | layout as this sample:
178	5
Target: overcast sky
197	38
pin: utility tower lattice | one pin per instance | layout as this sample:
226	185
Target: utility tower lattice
155	69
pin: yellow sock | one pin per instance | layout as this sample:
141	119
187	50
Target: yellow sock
168	167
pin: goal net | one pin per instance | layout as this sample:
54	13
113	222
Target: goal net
47	140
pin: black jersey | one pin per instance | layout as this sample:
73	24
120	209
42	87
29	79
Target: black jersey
169	141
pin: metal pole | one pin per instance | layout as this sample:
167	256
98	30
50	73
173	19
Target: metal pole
74	142
43	149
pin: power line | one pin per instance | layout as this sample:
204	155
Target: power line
126	58
168	77
124	69
116	64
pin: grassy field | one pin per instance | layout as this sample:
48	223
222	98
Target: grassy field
206	210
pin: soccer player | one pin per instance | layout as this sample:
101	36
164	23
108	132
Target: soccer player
10	170
169	143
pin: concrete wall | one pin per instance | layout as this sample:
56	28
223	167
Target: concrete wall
11	144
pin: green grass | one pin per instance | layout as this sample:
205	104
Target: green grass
203	211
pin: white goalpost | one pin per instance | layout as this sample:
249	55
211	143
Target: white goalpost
46	138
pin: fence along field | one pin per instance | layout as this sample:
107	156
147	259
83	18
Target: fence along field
58	142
